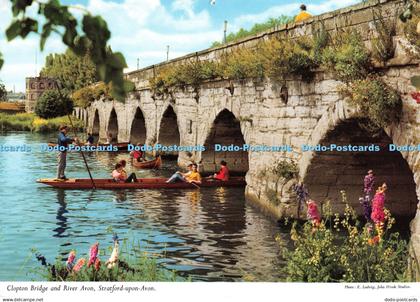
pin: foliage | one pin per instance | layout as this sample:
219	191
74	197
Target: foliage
52	104
140	266
85	96
286	168
382	45
88	36
407	13
191	72
256	29
3	92
321	253
242	63
347	57
321	39
411	32
72	72
281	57
376	101
30	122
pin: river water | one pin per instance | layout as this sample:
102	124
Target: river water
209	234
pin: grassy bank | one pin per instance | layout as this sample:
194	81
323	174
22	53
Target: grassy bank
31	122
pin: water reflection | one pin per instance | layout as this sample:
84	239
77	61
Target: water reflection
61	219
207	233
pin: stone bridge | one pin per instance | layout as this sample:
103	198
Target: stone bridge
226	112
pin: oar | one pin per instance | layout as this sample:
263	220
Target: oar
195	185
75	134
83	155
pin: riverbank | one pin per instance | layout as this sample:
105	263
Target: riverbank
33	123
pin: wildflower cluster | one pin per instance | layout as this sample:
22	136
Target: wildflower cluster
342	249
115	268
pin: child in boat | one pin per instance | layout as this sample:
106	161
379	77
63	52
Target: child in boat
137	154
223	173
120	175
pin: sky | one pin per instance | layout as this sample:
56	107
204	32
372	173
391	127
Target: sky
142	29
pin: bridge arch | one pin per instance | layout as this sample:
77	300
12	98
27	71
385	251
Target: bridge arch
327	173
225	130
168	133
112	129
138	131
96	125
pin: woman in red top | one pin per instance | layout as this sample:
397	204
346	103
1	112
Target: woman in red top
137	154
223	173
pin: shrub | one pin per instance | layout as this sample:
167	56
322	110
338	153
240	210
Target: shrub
242	63
347	57
286	169
377	101
326	254
52	104
86	95
281	57
411	32
382	45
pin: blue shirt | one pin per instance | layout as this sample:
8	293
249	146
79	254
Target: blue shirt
63	140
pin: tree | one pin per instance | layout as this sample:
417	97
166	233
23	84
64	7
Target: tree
73	72
3	92
52	104
89	33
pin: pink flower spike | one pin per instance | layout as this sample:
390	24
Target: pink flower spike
80	263
71	257
97	264
93	254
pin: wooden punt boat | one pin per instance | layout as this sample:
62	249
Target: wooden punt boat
143	183
151	164
120	146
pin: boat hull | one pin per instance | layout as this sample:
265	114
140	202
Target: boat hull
152	164
143	183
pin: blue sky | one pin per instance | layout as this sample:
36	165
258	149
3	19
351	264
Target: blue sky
142	29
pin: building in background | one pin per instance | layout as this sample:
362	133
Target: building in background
35	87
15	96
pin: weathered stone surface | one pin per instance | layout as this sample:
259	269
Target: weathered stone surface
255	114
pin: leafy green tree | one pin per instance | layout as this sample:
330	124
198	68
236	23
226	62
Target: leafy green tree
72	71
3	92
89	33
52	104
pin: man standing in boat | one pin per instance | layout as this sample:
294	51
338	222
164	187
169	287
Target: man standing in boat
63	142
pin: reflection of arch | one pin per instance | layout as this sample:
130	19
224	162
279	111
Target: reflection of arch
138	128
113	126
226	130
330	172
168	130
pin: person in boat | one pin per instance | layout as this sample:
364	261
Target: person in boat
138	155
192	176
223	174
90	139
303	15
120	175
63	142
108	138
